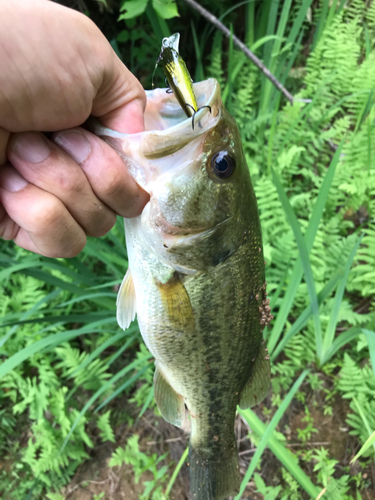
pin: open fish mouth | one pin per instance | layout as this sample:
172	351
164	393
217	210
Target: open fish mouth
154	152
163	113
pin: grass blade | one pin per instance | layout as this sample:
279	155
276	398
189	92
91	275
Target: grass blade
269	432
340	341
98	393
28	313
310	234
288	460
370	337
370	441
331	327
146	403
124	386
364	420
64	318
176	471
54	339
104	346
306	265
306	315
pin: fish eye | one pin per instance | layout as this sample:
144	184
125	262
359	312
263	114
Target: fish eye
222	164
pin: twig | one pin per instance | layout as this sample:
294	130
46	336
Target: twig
321	494
252	450
152	427
318	443
238	432
171	440
253	58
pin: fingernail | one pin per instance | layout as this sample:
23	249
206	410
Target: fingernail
75	144
30	146
11	180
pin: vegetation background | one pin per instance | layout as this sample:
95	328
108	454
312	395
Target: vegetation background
77	414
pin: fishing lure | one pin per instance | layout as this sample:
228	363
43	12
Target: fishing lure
178	77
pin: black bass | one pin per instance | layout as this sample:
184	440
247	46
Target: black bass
196	276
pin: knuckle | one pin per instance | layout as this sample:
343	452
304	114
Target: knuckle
68	248
104	225
112	182
46	215
135	209
76	247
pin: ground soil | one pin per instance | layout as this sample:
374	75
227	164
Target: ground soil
157	436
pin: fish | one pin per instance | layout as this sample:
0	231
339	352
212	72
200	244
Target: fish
196	276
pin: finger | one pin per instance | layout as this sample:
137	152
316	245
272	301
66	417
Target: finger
121	100
4	136
37	220
48	167
66	85
106	171
8	228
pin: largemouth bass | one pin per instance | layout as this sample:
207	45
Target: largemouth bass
196	276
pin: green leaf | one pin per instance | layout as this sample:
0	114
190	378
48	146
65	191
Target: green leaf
146	403
366	424
165	8
176	471
99	392
331	327
370	441
289	461
106	432
306	264
370	337
54	339
112	340
310	234
303	318
124	386
269	432
340	341
132	8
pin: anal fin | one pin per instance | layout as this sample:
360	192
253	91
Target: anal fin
126	301
170	403
256	388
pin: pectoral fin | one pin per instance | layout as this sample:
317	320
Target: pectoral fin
126	302
256	387
177	304
170	404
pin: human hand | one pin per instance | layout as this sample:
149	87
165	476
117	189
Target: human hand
57	68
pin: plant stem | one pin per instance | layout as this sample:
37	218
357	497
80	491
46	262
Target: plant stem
253	58
176	471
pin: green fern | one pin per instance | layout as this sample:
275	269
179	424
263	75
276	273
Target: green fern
358	383
106	432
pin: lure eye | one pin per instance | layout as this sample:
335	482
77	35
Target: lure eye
222	164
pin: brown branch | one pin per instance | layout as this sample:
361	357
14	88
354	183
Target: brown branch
253	58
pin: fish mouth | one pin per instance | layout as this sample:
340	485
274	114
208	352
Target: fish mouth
169	139
165	116
167	131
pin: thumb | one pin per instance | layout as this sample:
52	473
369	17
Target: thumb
120	100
